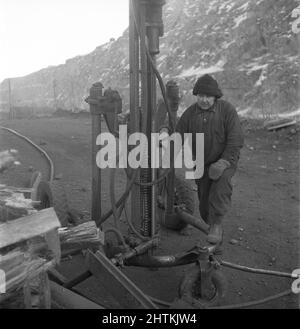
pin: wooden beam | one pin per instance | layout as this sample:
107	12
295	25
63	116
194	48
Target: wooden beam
67	299
282	125
120	287
28	227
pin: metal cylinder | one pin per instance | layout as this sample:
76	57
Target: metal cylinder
95	92
154	24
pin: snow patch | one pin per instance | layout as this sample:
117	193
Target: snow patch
238	20
226	44
254	113
185	11
106	46
252	67
161	58
211	7
290	114
244	112
244	6
261	78
227	6
256	67
201	70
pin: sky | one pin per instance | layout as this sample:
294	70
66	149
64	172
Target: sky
35	34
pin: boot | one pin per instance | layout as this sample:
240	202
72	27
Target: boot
215	235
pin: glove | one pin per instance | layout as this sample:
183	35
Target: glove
216	170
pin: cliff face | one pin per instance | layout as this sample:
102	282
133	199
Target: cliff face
248	46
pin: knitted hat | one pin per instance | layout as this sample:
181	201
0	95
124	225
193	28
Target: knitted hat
207	85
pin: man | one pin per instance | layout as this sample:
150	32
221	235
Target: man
223	139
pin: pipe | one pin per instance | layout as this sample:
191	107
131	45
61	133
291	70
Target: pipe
121	200
192	220
258	271
254	303
45	154
162	261
117	233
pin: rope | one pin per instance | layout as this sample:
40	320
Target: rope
254	303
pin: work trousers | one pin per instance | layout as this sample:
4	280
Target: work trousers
215	196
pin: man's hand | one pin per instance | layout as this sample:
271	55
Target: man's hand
216	169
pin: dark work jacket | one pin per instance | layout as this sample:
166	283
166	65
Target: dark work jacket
223	136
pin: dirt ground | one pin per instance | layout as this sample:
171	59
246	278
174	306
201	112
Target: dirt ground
264	218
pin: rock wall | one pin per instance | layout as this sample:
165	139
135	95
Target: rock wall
248	46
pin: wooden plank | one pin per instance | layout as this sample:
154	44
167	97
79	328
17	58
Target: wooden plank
67	299
27	295
13	189
120	287
282	125
57	277
53	243
26	271
44	291
28	227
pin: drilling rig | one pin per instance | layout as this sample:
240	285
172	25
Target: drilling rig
157	197
163	198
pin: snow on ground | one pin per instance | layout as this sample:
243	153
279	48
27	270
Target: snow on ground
106	46
123	61
252	67
227	5
185	11
238	20
204	53
226	44
292	58
256	113
262	77
161	58
244	6
290	114
212	6
256	67
201	70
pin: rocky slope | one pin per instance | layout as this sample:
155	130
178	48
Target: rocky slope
248	46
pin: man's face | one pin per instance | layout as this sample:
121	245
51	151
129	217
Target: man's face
205	102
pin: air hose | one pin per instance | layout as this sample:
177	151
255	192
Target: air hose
233	306
117	213
255	302
43	152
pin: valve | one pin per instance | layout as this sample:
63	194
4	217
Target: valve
154	24
172	91
110	102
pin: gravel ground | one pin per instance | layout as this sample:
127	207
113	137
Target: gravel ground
261	230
